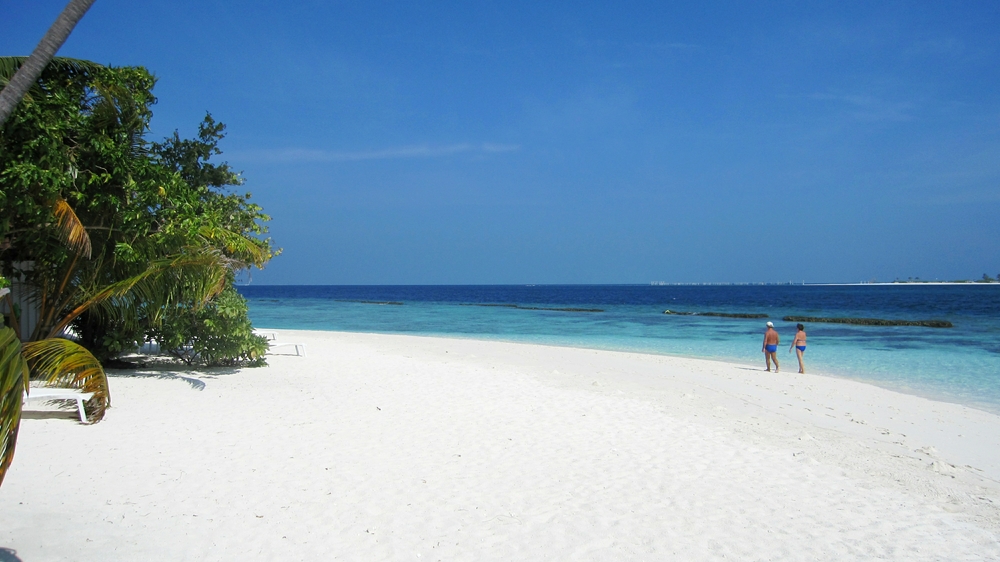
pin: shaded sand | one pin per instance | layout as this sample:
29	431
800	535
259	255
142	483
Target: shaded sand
383	447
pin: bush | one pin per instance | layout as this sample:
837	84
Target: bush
107	339
216	334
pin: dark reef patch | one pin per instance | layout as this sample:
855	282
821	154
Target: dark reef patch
871	321
519	307
717	314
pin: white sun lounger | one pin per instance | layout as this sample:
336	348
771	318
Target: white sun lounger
43	393
271	336
297	346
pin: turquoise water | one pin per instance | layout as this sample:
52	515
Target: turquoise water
959	364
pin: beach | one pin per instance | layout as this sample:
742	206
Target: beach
393	447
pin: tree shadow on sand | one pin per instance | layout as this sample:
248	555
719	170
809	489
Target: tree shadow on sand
9	555
63	409
67	413
172	371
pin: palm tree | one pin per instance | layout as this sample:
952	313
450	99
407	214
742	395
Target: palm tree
13	382
40	57
96	268
55	360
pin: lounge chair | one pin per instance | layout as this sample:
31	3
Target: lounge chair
47	393
271	336
297	346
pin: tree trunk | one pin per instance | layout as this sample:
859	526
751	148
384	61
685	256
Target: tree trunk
43	53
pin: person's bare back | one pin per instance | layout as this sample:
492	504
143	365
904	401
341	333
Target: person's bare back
770	346
771	337
799	345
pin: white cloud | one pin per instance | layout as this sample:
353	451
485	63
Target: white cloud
489	147
416	151
870	108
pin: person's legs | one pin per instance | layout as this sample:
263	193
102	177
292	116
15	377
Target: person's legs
802	366
774	355
767	359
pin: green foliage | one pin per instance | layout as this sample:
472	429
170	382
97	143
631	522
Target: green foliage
107	340
66	364
216	334
52	361
77	140
13	384
122	233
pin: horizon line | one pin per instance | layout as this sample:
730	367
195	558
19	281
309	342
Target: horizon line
646	284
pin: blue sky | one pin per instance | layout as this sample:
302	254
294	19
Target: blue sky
584	142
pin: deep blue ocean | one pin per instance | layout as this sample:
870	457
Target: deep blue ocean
959	364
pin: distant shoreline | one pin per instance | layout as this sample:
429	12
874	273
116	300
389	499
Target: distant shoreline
900	283
653	284
917	283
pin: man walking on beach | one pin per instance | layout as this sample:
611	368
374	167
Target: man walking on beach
770	347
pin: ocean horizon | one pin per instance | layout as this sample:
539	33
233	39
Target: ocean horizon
960	364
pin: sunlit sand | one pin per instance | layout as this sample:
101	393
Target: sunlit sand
384	447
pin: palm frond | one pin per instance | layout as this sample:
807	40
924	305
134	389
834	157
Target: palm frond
114	107
63	363
9	66
246	250
202	272
13	384
71	230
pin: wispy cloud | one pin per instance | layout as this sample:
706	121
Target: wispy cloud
489	147
675	47
870	108
415	151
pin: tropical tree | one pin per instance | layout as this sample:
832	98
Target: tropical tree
15	88
53	361
13	383
218	332
73	160
113	234
163	231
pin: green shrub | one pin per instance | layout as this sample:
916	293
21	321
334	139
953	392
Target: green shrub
216	334
107	339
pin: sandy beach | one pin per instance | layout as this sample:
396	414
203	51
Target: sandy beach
387	447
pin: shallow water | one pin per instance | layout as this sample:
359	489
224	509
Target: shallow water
960	364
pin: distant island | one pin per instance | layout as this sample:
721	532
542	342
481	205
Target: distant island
985	279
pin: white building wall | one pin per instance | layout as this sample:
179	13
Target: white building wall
25	299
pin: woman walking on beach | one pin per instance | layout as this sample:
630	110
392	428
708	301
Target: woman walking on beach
799	344
770	346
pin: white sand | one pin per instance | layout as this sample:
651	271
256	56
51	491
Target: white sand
379	447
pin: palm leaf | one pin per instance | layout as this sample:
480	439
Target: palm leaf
203	272
9	66
71	230
13	384
245	250
63	363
